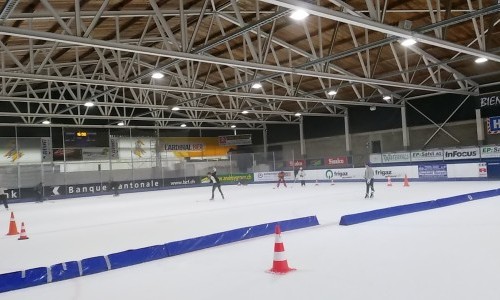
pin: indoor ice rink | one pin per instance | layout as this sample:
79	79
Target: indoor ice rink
446	253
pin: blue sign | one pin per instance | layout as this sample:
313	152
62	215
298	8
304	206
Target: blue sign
432	171
494	125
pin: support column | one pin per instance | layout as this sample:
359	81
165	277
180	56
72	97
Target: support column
264	138
406	139
347	134
302	142
479	128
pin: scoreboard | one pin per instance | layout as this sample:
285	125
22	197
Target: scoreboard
80	138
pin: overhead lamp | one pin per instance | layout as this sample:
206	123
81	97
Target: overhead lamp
121	123
299	14
373	108
233	126
89	104
157	75
183	125
408	42
176	108
481	60
298	114
332	92
256	85
245	112
46	122
387	98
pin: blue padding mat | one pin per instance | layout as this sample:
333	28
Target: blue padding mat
221	238
414	207
65	271
94	265
18	280
137	256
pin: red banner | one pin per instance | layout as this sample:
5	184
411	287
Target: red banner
297	163
335	161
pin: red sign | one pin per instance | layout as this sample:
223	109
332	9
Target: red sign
339	160
297	163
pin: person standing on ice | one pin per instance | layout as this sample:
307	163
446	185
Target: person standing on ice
302	177
281	178
3	196
369	174
215	182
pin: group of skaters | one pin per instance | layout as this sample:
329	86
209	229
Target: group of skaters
301	175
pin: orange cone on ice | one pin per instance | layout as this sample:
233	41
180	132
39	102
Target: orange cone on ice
405	181
280	264
12	225
23	235
389	182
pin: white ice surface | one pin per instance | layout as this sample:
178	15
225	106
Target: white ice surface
447	253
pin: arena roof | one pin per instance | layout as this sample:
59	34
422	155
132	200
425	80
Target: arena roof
246	63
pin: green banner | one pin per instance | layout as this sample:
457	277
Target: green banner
235	178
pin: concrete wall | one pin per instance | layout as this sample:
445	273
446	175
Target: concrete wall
391	141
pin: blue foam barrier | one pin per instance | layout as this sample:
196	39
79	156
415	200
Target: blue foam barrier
23	279
221	238
64	271
137	256
414	207
94	265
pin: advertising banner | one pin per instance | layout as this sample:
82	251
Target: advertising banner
337	161
493	125
432	171
395	172
95	153
113	148
461	153
67	154
427	155
316	162
376	158
297	163
489	104
469	170
233	140
483	170
272	176
399	157
490	151
183	181
243	178
46	148
183	147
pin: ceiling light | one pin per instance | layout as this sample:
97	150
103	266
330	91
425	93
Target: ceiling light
373	108
256	85
332	92
245	112
233	126
408	42
175	108
89	104
46	122
299	14
481	60
298	114
183	125
157	75
121	123
387	98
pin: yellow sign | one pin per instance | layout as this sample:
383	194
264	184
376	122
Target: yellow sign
194	146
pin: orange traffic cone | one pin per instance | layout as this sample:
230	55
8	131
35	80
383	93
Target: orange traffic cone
23	235
12	225
389	182
280	264
405	181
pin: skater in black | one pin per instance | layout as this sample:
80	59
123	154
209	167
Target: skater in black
38	189
369	181
3	196
215	183
114	187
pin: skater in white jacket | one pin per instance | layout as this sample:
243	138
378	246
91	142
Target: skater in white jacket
302	177
369	174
